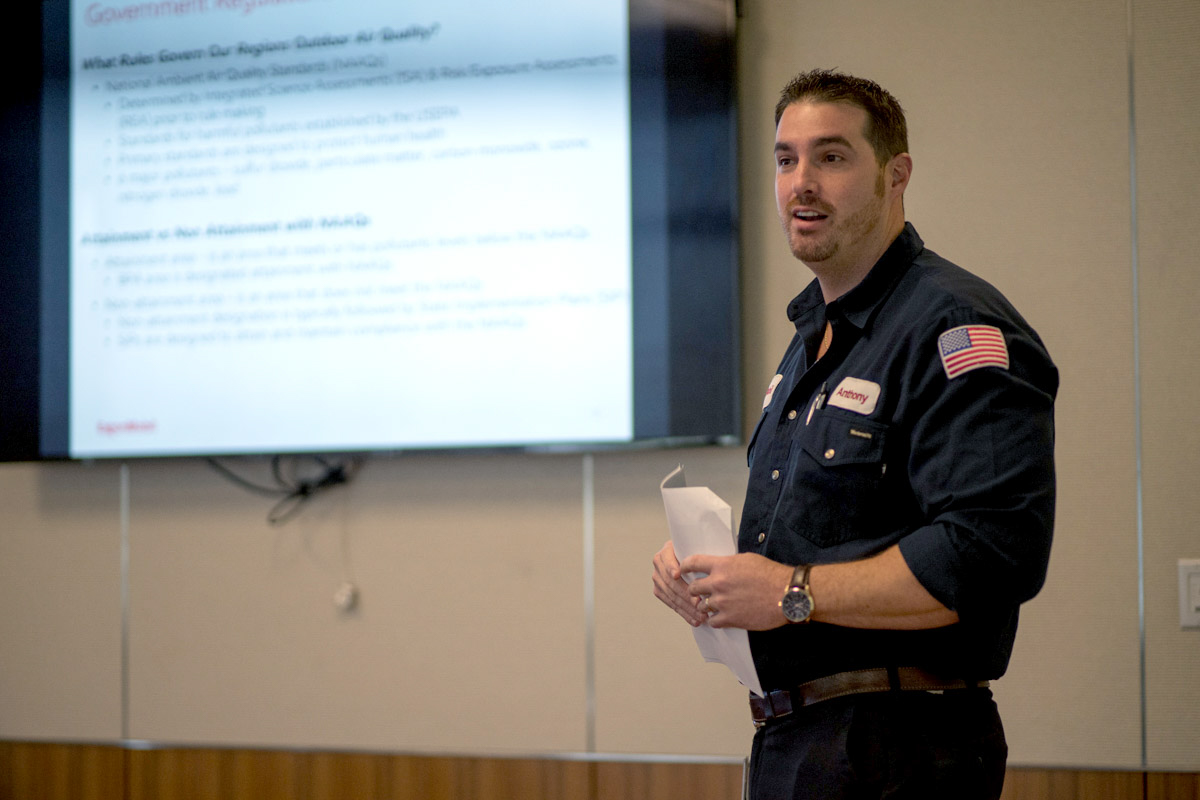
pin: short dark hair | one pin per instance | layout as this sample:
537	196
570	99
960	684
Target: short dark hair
886	128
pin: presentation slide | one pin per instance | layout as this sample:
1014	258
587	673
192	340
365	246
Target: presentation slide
379	223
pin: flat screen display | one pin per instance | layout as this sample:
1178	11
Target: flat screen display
303	226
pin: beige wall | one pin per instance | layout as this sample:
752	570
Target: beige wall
474	631
1168	173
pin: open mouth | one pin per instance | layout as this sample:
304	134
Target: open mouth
808	215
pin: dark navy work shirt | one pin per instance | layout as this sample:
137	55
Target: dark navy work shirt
929	422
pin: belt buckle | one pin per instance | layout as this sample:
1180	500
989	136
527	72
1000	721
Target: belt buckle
779	704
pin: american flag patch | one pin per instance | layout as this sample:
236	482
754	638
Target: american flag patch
969	347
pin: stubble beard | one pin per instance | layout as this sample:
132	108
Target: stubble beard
823	246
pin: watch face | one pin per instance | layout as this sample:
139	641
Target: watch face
797	605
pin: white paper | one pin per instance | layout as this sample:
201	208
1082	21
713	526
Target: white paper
701	522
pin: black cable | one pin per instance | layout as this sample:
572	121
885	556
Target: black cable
239	480
294	493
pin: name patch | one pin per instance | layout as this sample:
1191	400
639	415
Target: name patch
855	394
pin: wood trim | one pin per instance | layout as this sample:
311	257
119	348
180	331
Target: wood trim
51	771
274	775
61	771
658	781
1061	784
1173	786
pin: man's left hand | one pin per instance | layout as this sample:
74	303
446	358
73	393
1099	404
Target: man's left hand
741	591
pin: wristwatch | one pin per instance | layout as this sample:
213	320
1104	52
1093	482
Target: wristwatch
797	602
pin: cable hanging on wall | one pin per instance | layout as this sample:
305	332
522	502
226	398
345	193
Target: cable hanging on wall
293	489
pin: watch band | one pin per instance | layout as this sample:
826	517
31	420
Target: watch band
800	576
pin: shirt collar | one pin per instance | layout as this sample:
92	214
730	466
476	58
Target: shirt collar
858	305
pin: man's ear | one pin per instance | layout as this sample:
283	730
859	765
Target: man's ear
899	171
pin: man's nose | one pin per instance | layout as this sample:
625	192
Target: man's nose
804	180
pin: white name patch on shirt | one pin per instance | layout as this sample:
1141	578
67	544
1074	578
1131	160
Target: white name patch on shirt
855	394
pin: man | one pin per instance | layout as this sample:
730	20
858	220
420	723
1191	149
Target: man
901	493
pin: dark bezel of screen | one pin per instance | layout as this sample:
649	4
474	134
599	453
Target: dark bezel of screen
684	223
20	251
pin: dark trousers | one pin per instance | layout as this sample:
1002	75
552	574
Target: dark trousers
894	745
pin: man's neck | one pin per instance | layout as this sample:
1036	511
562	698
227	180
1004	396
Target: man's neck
836	279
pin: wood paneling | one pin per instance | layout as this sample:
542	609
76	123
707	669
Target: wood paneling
269	775
487	778
34	771
647	781
1042	784
1172	786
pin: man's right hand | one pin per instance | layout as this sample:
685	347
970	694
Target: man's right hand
670	587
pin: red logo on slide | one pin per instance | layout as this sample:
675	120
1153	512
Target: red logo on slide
126	426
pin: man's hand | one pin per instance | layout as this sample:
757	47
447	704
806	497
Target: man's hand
670	587
741	591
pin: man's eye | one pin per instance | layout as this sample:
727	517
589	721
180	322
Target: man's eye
833	157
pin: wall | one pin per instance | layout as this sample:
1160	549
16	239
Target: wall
475	634
1167	117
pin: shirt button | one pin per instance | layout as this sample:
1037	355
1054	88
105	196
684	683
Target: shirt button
774	474
762	537
792	414
830	453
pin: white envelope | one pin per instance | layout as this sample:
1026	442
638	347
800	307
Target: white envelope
701	522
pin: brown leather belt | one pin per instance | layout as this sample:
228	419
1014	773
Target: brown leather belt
781	702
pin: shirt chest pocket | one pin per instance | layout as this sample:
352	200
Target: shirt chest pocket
835	441
837	492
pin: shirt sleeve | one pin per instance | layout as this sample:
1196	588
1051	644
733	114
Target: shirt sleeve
980	463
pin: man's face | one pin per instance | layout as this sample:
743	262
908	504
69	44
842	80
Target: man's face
829	188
